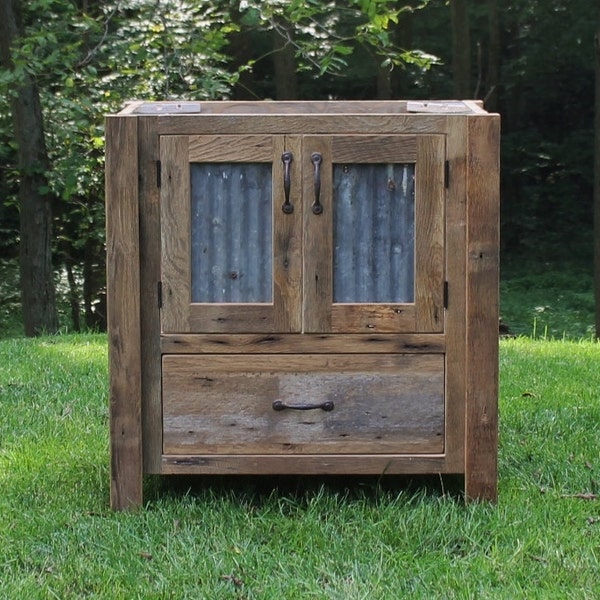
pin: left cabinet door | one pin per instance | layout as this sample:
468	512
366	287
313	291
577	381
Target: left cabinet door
231	241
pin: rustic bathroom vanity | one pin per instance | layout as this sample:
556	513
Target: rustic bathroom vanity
302	288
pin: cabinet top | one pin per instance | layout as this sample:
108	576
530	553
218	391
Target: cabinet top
268	107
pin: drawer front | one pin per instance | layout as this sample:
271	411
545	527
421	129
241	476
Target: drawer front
352	404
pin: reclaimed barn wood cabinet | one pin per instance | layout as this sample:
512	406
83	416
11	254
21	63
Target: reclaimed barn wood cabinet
302	288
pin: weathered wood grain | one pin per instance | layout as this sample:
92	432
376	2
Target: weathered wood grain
482	309
374	148
429	234
304	124
287	238
123	289
303	344
304	464
382	404
175	233
149	218
225	148
317	280
379	318
455	321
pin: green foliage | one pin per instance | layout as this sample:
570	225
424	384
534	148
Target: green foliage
298	538
547	300
326	35
89	62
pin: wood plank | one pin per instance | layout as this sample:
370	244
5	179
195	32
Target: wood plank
303	107
149	218
318	243
380	318
330	107
307	464
303	344
374	148
231	318
175	233
378	404
307	124
455	325
429	233
226	148
287	237
123	290
482	309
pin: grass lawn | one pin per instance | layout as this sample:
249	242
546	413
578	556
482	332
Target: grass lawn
301	539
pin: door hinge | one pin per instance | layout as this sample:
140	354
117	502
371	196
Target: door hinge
445	294
447	174
158	174
159	294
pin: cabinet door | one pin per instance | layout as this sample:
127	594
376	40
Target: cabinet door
373	233
231	257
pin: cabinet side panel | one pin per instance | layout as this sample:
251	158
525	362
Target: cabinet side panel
482	308
123	286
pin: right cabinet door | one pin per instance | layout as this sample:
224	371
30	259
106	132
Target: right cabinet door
373	233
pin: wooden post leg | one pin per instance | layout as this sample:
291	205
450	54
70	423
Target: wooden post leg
481	471
123	286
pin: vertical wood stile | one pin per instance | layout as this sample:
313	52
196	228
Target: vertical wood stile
318	244
482	308
123	287
429	233
287	238
149	277
175	239
456	216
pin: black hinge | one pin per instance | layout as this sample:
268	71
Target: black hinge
158	174
159	293
445	294
447	174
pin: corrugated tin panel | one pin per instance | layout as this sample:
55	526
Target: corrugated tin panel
374	233
231	232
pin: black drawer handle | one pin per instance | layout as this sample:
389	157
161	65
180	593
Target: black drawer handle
286	159
279	405
316	160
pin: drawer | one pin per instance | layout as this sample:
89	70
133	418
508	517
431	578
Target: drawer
350	404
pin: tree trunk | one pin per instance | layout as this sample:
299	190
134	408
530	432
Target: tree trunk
37	277
384	82
241	51
597	180
493	71
461	48
284	65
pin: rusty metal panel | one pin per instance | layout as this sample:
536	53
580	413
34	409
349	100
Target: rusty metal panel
231	232
374	233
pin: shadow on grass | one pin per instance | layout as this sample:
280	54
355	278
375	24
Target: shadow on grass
258	489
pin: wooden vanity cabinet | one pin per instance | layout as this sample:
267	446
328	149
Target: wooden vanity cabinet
302	288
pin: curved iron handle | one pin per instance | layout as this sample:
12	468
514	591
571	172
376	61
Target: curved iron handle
286	159
316	160
327	406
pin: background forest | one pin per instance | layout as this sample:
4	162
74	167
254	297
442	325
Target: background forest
65	64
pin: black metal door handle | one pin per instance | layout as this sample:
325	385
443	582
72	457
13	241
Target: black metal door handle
279	405
286	159
316	160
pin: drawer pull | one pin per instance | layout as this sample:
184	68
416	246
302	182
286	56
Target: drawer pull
286	159
316	160
279	405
